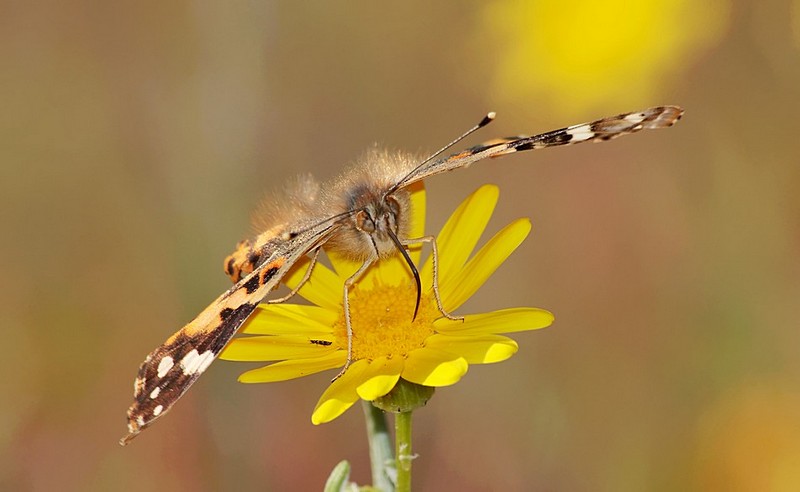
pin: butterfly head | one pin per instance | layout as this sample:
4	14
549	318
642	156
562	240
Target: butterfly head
375	218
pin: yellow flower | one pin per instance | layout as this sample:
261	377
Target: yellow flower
431	350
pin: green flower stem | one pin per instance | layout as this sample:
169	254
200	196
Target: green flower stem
404	398
402	427
380	446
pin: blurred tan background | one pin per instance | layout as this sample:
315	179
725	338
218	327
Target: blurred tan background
135	138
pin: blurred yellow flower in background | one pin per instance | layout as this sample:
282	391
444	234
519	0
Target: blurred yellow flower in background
580	53
749	439
429	350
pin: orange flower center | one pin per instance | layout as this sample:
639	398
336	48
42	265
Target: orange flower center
381	318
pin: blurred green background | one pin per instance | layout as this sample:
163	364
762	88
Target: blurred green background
135	138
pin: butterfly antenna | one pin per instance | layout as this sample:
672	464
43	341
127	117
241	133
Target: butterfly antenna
485	121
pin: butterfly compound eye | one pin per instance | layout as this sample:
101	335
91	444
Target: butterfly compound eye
393	205
364	222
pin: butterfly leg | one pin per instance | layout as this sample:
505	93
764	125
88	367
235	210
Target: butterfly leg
435	258
346	305
300	285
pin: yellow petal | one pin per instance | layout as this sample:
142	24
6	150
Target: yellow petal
481	266
431	367
324	288
502	321
278	319
484	349
343	265
418	204
392	271
380	377
291	369
340	395
387	271
274	347
461	232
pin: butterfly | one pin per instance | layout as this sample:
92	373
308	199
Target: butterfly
364	214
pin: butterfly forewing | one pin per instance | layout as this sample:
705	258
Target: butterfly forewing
168	372
596	131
